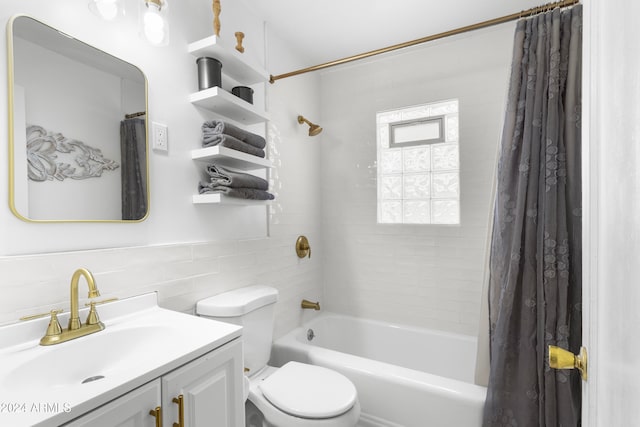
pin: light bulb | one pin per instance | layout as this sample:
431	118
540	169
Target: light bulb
154	26
106	9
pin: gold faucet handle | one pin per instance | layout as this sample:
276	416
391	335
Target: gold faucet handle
40	315
54	327
92	318
104	301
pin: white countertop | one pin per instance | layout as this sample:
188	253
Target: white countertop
41	385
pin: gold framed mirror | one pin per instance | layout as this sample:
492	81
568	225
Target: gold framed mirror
78	133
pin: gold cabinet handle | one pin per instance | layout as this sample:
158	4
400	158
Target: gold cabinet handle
559	358
157	413
180	402
303	249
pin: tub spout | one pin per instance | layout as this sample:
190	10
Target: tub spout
308	304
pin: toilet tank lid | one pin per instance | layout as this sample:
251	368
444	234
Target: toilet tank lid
237	302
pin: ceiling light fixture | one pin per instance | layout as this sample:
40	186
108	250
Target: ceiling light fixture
154	21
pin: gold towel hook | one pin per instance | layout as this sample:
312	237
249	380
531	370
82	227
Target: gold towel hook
239	37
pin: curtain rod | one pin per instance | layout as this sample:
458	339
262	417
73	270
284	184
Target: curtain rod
484	24
134	115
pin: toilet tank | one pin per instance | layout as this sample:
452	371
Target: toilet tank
252	308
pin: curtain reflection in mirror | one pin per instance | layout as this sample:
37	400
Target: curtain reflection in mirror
134	159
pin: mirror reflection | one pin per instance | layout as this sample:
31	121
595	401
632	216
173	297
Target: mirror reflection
78	133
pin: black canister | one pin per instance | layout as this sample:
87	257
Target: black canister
243	92
209	73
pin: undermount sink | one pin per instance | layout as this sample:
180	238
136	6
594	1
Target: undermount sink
140	342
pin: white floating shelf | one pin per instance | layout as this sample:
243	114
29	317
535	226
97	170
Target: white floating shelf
228	105
225	200
231	158
242	67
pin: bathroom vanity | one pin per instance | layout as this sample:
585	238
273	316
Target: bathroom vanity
205	381
149	366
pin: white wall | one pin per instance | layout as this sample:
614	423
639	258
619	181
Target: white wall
423	275
612	201
171	75
183	251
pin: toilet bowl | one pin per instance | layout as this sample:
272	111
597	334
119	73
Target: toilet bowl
285	397
294	395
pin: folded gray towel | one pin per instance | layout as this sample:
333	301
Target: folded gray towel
233	143
218	127
230	178
240	193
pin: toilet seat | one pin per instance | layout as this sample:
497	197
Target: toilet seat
309	391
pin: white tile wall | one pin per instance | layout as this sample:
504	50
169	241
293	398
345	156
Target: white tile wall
425	275
181	274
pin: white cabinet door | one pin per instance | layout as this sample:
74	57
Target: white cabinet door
130	410
211	390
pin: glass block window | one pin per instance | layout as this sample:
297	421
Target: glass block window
416	132
418	164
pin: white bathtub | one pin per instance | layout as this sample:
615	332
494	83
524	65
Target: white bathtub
405	376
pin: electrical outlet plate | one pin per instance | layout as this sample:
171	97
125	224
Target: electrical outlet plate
160	137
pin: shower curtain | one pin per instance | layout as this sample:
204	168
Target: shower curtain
535	264
133	171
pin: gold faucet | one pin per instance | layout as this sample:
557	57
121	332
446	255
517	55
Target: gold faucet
309	304
55	334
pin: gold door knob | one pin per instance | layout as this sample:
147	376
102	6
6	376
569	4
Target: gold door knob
559	358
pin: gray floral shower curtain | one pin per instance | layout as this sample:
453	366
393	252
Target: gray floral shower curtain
535	268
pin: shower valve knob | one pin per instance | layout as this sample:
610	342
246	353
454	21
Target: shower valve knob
303	249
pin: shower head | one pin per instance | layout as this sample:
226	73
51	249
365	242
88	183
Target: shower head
313	128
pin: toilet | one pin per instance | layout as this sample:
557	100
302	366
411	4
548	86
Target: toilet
294	395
